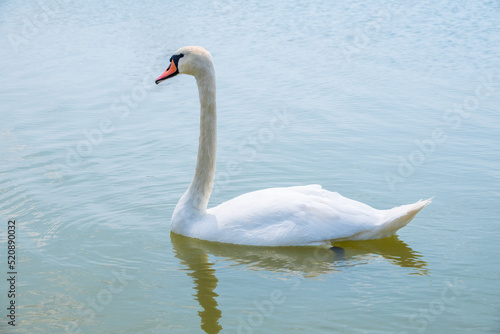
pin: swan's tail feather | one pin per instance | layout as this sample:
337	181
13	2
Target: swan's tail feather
394	219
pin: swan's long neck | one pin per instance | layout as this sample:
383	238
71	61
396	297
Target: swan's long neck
198	194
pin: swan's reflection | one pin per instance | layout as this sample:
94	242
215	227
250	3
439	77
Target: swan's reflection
200	269
303	261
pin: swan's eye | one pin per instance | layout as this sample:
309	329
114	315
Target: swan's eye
175	58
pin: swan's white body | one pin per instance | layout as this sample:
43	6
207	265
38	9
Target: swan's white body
293	216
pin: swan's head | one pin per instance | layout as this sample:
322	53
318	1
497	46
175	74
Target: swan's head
192	60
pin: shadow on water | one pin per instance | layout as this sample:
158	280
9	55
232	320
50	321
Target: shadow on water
307	262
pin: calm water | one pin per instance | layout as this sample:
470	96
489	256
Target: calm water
383	103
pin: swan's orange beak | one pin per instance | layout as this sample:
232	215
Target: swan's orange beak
170	72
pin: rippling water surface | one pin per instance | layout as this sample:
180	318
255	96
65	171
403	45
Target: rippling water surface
382	102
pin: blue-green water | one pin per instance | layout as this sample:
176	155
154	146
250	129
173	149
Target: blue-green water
382	102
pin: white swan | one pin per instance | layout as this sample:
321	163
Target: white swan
294	216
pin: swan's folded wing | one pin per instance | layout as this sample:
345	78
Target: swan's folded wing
330	216
303	215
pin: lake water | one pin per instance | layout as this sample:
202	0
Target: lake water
384	103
